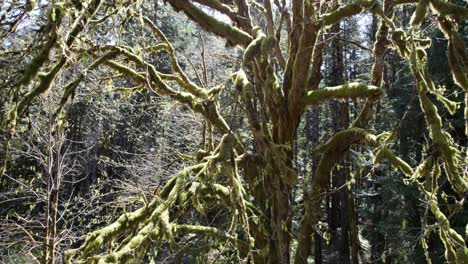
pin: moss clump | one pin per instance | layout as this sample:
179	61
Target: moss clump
399	39
253	49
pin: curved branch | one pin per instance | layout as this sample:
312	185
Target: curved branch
332	151
355	8
220	7
45	80
233	35
155	81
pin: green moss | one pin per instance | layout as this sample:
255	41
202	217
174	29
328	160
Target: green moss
36	63
350	90
449	9
268	44
419	14
345	11
209	23
126	71
142	219
253	49
441	139
399	39
397	162
456	53
241	82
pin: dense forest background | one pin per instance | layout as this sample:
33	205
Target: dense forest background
94	142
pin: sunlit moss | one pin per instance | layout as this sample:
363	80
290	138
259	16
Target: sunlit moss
350	90
420	13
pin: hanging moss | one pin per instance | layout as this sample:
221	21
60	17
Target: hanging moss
167	229
455	249
458	59
456	53
429	84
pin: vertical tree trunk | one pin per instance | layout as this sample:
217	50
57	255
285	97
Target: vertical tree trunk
344	175
315	160
354	231
54	168
341	175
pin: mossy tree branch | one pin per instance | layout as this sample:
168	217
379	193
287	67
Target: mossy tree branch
345	91
154	222
441	140
445	150
233	35
131	221
445	8
154	80
355	8
458	59
302	62
380	46
273	114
